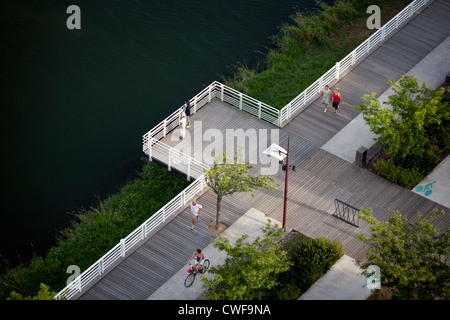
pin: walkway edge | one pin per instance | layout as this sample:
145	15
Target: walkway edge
343	281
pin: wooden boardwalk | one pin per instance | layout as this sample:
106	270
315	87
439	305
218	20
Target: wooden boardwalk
320	177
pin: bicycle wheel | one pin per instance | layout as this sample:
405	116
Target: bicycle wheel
205	266
189	279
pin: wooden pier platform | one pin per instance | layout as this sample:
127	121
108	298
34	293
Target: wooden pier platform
320	177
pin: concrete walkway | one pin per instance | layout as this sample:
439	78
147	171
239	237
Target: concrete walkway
343	281
250	223
436	186
432	70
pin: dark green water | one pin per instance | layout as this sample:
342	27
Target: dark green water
75	103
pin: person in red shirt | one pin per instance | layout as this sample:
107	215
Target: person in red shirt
337	98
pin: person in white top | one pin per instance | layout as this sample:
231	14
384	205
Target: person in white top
182	123
195	209
325	96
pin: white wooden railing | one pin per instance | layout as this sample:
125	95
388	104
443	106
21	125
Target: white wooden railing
176	159
214	90
300	102
246	103
133	240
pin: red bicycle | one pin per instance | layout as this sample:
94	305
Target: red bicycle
193	272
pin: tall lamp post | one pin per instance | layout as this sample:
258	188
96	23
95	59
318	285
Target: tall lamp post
281	154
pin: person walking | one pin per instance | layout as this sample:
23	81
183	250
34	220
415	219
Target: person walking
337	98
187	108
195	209
182	123
325	96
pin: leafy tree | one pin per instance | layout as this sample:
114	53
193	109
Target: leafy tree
402	128
411	256
43	294
249	269
230	175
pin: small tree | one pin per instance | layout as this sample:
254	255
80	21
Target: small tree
43	294
250	269
411	256
402	128
230	175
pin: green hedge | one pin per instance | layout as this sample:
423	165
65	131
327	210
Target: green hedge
406	177
312	258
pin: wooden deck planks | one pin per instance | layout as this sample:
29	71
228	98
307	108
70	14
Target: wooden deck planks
319	179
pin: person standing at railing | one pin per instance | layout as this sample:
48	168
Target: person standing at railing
182	123
325	96
187	108
337	98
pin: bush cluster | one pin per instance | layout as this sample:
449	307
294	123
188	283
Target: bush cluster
405	177
311	259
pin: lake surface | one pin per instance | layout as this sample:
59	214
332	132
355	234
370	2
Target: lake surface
75	103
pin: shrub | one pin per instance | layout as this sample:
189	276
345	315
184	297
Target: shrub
310	260
406	177
313	258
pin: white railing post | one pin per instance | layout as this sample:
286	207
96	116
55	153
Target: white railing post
337	70
100	266
221	91
169	164
353	57
143	231
182	199
122	248
164	128
79	286
150	149
188	175
240	101
259	109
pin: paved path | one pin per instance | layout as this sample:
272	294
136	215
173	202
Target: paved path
430	70
436	186
343	281
250	223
